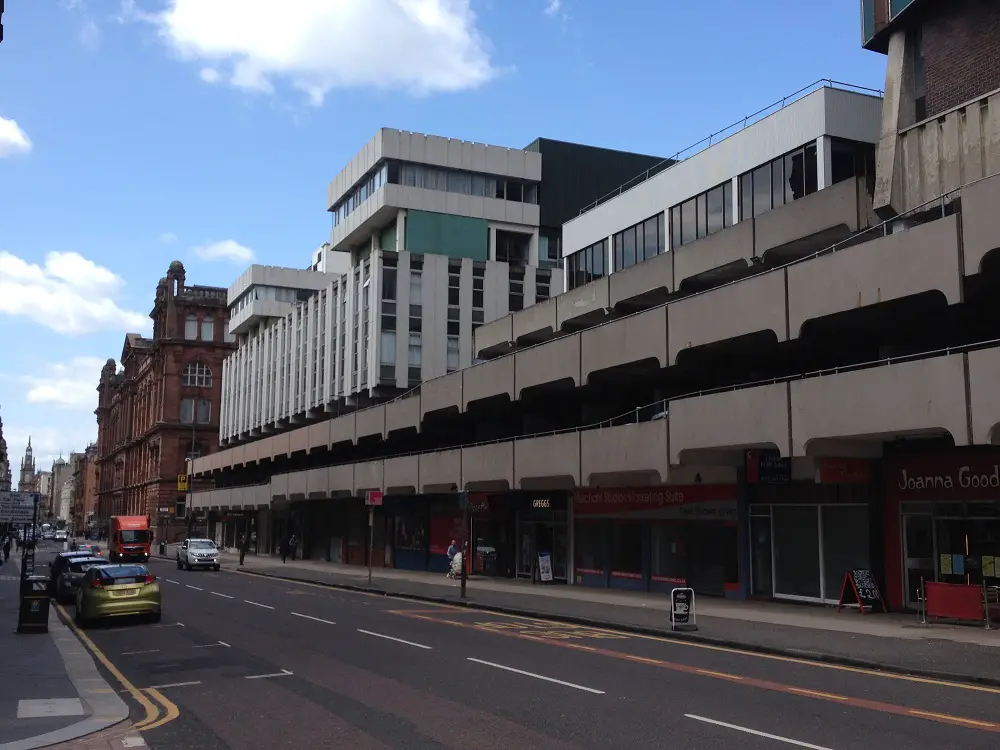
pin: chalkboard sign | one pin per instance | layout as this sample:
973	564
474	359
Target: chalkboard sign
860	588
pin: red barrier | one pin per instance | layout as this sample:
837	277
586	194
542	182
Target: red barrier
956	601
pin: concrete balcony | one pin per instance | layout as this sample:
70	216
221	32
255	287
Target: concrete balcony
584	306
732	247
368	475
555	362
237	498
279	487
440	394
256	313
369	422
536	323
317	436
281	444
340	480
632	454
317	482
980	221
984	396
401	475
488	467
402	414
899	265
730	421
487	380
813	222
637	338
342	429
298	441
441	471
547	463
643	285
494	338
298	485
904	399
748	306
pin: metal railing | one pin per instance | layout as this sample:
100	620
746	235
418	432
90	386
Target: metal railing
727	131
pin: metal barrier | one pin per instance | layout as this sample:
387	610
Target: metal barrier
958	601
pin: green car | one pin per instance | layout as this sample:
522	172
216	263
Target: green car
117	591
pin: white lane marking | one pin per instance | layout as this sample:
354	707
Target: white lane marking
176	583
282	673
316	619
397	640
257	604
134	653
188	585
224	596
175	684
208	645
537	676
223	643
754	732
166	625
134	740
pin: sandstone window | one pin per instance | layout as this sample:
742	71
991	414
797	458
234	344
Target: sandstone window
188	410
191	328
208	329
197	374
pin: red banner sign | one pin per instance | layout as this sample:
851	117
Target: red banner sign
610	500
959	476
843	471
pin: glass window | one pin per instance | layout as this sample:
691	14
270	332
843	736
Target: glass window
208	329
387	353
389	283
617	242
590	551
196	374
661	234
842	161
191	328
702	213
845	544
689	222
746	197
675	227
794	176
187	410
416	288
626	547
453	353
204	411
716	210
514	191
762	190
811	173
796	550
727	202
650	243
777	183
628	248
667	552
414	355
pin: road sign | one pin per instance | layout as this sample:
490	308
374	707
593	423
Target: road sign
373	497
17	507
182	482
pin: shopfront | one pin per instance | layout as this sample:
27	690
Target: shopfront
806	535
942	521
658	538
511	529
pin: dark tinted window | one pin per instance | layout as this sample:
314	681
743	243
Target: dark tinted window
134	536
81	566
117	572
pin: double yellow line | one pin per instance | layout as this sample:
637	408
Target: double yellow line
158	713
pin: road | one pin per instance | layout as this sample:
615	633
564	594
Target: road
242	661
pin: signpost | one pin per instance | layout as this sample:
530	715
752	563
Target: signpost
463	501
18	507
682	615
373	499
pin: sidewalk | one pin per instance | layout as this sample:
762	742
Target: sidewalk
896	642
51	692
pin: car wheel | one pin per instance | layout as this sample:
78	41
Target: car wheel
187	566
155	617
179	566
216	568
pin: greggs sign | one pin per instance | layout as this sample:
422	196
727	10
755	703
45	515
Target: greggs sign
609	500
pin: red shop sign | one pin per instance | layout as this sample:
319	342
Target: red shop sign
843	471
605	500
967	476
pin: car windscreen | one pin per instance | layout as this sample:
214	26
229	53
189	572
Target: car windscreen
134	536
82	566
201	544
124	573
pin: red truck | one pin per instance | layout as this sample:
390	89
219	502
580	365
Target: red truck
129	538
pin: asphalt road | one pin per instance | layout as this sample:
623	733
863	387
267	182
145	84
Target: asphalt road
241	661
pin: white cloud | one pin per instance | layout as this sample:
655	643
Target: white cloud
424	46
13	140
168	238
90	35
553	7
210	75
225	250
68	294
69	384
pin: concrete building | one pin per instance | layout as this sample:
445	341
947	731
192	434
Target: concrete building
61	472
752	410
163	406
432	238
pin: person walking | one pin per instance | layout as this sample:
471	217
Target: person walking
244	546
6	549
293	543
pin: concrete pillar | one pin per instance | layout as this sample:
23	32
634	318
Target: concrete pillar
824	162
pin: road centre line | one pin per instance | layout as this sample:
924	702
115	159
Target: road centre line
176	583
756	733
315	619
282	673
397	640
188	585
224	596
258	604
136	653
536	676
210	645
174	685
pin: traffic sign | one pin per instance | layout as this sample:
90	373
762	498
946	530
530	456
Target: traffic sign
373	498
18	507
182	482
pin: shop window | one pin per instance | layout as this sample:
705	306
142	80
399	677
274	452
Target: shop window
668	553
845	544
590	554
626	548
796	551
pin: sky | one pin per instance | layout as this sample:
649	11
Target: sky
137	132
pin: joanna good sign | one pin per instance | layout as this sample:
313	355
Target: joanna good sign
944	478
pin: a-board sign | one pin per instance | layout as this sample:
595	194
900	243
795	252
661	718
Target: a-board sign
545	566
860	588
682	615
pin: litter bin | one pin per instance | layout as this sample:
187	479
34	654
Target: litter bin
163	549
33	614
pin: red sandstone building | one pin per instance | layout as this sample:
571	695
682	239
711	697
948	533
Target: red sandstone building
162	406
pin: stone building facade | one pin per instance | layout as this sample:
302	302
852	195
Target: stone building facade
162	405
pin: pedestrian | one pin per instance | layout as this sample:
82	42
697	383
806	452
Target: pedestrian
284	549
293	542
6	549
244	545
452	551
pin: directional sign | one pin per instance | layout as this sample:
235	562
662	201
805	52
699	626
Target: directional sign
17	507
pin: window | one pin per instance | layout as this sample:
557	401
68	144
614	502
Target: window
389	283
778	182
188	413
416	288
414	355
516	293
204	411
191	328
187	410
197	374
513	247
387	354
453	353
638	243
589	264
208	329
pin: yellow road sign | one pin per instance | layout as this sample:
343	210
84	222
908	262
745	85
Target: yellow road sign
182	483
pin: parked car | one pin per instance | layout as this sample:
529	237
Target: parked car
58	566
117	591
72	576
198	553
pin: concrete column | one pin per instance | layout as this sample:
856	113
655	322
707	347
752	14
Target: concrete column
824	162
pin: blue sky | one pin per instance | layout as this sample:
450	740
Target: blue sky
133	133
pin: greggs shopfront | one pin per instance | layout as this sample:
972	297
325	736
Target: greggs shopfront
658	538
942	521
